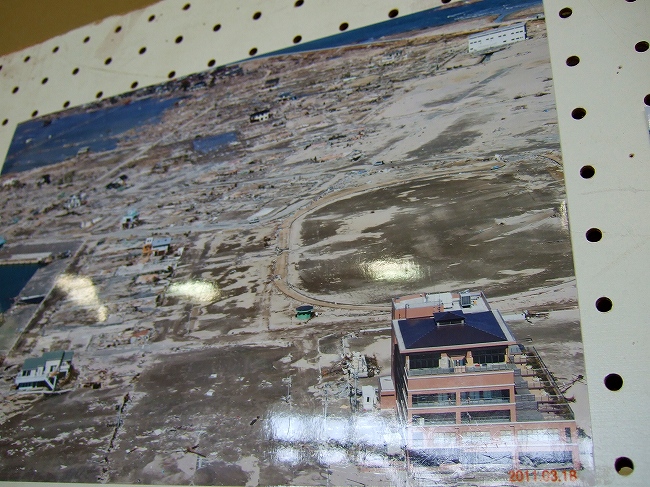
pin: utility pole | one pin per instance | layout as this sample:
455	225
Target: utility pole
356	399
289	391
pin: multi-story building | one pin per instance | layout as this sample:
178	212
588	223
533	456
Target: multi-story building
468	392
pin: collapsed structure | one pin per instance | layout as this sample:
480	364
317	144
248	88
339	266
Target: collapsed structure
467	392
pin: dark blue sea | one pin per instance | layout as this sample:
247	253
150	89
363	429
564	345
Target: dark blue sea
37	144
12	280
434	17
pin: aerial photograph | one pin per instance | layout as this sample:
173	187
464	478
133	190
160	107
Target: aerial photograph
344	264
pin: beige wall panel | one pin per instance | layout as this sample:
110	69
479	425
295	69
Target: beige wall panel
609	81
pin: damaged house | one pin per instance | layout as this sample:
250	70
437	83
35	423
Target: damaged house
44	371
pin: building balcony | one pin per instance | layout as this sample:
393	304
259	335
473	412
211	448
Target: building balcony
461	369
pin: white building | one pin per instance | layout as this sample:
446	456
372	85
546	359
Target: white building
492	39
45	370
369	397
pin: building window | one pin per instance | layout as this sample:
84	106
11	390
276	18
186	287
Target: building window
489	356
485	397
424	360
444	399
467	417
433	418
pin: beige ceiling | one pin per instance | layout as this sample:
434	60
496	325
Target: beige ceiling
25	23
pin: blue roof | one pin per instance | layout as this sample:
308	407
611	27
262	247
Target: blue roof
480	327
33	363
161	242
36	362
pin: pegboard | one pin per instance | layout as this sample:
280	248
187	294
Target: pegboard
600	61
601	67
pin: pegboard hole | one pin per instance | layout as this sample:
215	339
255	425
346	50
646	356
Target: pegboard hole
646	99
134	85
15	90
298	3
641	46
253	51
0	67
604	304
152	18
578	113
572	61
44	80
587	172
297	39
186	6
211	63
613	382
343	26
27	58
565	13
66	104
171	74
118	29
257	15
34	113
142	50
5	121
217	27
446	1
55	49
108	61
594	235
179	39
624	466
75	71
86	39
99	94
393	13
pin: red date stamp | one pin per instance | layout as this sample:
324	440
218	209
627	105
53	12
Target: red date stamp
543	476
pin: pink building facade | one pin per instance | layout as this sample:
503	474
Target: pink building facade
465	390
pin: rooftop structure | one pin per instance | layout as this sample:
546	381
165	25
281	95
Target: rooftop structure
495	38
43	372
458	372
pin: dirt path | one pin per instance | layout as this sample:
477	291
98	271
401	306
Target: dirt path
281	269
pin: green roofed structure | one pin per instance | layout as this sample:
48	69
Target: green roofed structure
44	371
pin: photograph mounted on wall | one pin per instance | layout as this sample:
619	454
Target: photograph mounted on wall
344	263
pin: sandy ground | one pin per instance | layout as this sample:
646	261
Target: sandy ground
192	367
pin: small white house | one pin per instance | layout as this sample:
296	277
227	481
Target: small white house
495	38
369	397
260	116
45	370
